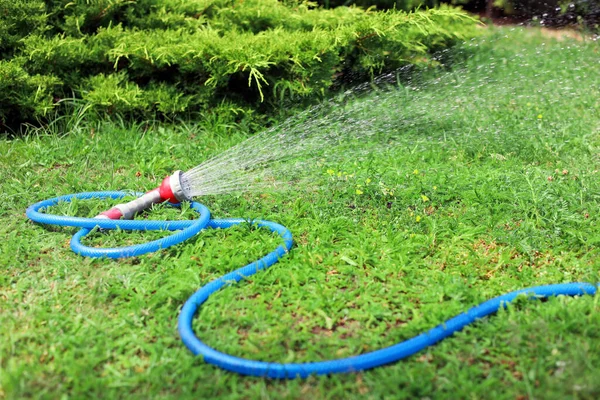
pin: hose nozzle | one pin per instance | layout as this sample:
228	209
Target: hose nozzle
169	190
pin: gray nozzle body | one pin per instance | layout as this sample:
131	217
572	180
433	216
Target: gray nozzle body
130	209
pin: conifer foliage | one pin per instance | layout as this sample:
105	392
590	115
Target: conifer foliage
144	58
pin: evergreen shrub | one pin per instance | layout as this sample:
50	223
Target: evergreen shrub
145	58
584	14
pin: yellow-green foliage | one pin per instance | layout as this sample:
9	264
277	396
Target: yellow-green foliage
22	94
172	56
17	19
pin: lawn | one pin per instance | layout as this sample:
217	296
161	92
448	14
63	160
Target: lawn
490	184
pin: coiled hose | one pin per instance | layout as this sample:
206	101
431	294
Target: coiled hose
188	228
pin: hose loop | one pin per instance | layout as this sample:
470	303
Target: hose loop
185	229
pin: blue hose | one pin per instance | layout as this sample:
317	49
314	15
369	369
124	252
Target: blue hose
188	228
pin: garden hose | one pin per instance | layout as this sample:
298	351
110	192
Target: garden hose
186	229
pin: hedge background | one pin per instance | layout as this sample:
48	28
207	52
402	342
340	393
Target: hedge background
167	58
554	13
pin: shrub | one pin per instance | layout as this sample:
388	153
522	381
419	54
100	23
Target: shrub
553	13
406	5
24	96
167	57
18	18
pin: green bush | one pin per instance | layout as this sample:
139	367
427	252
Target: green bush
554	13
167	57
18	18
406	5
23	95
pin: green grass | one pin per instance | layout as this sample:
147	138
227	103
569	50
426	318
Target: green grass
492	185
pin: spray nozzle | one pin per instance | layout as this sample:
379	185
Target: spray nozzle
169	190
